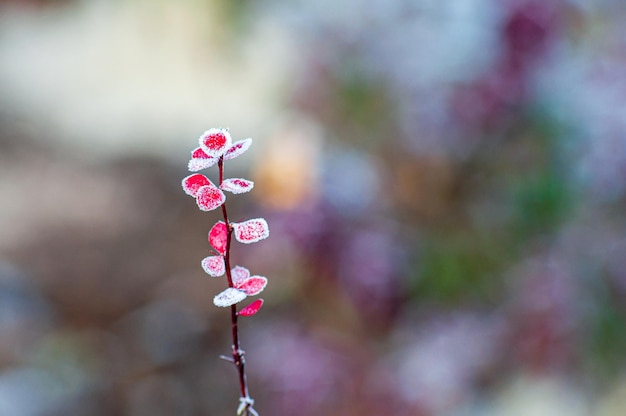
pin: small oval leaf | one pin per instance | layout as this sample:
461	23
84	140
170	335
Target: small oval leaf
229	297
237	149
251	231
200	160
237	185
251	309
215	142
214	265
210	197
192	183
239	275
218	236
253	285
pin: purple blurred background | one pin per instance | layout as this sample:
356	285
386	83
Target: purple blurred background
445	183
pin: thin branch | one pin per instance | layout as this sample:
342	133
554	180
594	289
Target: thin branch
238	358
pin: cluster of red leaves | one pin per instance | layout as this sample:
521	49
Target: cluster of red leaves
216	145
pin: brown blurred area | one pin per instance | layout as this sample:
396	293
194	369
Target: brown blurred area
444	183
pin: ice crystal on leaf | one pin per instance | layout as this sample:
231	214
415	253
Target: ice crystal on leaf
251	309
237	185
218	237
214	265
251	231
193	183
215	142
210	197
239	274
251	285
237	149
229	297
200	160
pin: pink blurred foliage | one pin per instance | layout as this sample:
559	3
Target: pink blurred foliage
545	315
529	30
438	361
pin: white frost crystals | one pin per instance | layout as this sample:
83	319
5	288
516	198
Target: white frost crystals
229	297
214	266
237	185
251	231
244	286
237	149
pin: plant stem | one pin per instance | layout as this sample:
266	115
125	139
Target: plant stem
238	358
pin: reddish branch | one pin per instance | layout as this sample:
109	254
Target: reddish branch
237	353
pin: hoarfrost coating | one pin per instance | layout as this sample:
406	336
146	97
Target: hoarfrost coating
251	231
228	297
214	265
237	185
215	142
210	197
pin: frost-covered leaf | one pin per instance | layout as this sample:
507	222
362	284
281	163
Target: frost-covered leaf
214	265
229	297
253	285
251	309
237	149
198	153
237	185
239	275
215	142
210	197
218	236
251	231
200	160
195	165
192	183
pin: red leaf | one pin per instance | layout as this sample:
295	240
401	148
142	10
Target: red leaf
237	185
251	309
253	286
218	236
200	160
210	197
214	265
251	231
239	275
192	183
237	149
215	142
198	153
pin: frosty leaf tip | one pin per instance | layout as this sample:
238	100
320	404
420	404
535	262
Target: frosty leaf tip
200	160
251	231
218	236
214	266
237	185
210	197
215	142
237	149
192	183
228	297
252	308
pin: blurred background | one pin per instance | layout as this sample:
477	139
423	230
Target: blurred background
445	183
